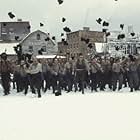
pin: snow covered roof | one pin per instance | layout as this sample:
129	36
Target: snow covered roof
38	31
8	48
48	56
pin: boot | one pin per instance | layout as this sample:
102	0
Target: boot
131	90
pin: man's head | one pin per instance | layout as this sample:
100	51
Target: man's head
4	56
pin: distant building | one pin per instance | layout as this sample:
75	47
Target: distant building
62	48
36	41
128	45
14	31
76	46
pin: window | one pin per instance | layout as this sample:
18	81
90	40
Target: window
38	37
30	48
44	49
4	31
11	31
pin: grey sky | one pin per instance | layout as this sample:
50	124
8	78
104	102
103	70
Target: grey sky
79	13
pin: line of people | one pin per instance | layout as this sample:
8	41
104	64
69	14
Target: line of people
70	75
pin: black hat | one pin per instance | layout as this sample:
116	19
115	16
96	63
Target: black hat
85	40
105	23
63	40
82	39
132	34
53	38
41	24
108	34
66	43
11	15
104	30
63	19
122	26
99	20
117	48
47	39
4	56
66	29
90	45
40	52
60	1
132	58
62	34
121	36
16	38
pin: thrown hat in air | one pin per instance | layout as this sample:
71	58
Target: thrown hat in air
66	29
47	39
99	20
105	23
60	1
63	19
11	15
41	24
132	34
53	38
122	26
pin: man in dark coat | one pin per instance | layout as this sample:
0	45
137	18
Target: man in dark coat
81	68
5	70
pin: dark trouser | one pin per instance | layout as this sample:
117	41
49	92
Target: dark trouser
133	80
36	82
103	81
109	79
17	79
69	80
93	81
5	78
47	79
25	83
117	77
62	81
125	79
29	83
54	82
80	79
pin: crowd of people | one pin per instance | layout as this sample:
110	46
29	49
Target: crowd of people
72	74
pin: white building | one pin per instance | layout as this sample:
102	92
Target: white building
129	45
36	41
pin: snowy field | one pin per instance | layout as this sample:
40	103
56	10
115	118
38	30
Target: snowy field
73	116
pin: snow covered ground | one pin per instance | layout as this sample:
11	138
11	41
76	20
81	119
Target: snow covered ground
73	116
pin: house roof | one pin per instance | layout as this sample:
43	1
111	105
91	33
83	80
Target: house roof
33	33
49	56
8	48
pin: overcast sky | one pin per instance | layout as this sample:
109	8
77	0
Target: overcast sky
79	13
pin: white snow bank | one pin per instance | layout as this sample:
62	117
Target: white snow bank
73	116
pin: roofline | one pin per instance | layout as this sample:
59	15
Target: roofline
32	33
85	30
15	22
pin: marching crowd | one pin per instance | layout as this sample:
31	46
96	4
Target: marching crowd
72	74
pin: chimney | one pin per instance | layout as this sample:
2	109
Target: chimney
86	28
19	20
